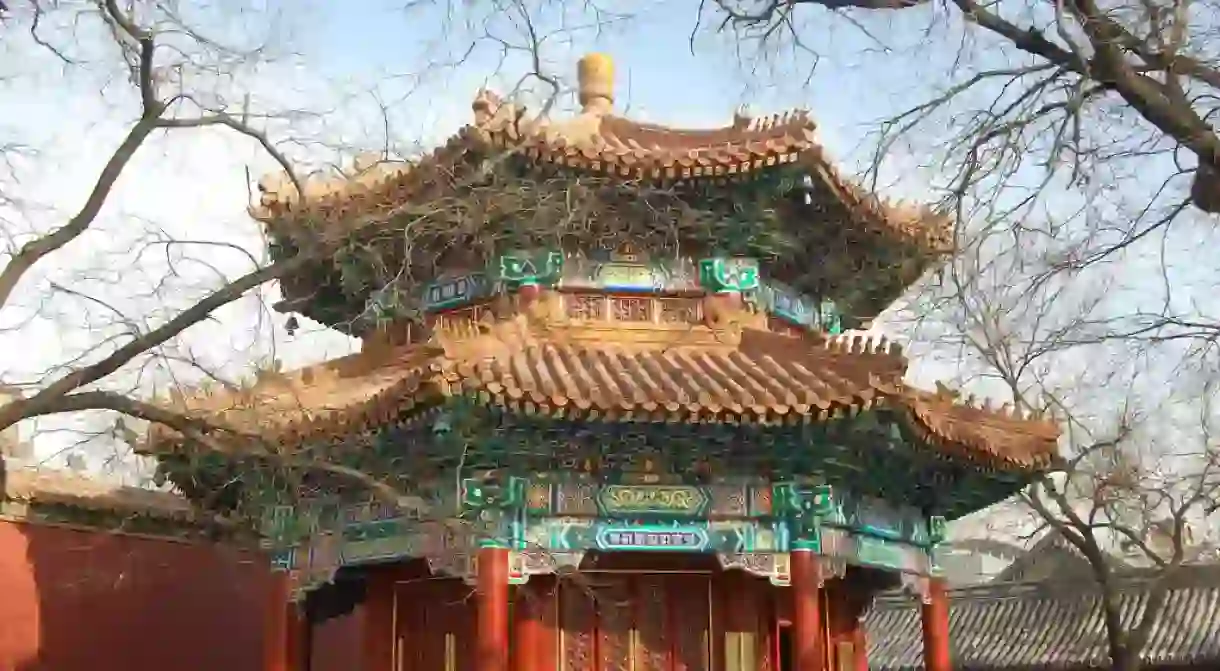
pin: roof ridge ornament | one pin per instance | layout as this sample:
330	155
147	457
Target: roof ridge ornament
862	343
595	74
742	119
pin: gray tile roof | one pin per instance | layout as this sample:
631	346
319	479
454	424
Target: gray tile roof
1049	626
31	485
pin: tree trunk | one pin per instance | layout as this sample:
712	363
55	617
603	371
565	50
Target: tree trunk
1205	190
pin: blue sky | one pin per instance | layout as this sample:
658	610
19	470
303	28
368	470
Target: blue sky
659	78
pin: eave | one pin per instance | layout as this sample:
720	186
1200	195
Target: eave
736	373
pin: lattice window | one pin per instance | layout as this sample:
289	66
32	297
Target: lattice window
679	310
631	309
590	307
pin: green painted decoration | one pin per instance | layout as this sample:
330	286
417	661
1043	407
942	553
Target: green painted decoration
936	529
525	268
480	494
805	507
734	274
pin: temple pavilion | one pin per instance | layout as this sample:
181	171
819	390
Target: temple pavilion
612	408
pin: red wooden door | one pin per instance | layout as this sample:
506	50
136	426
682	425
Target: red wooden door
435	626
642	621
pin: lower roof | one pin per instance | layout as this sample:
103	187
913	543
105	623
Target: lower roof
737	372
1050	625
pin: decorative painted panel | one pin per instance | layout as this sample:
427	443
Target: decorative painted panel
880	518
636	309
448	292
548	522
591	280
679	310
575	498
574	533
678	501
538	498
775	566
669	500
761	502
627	271
876	552
586	307
730	500
790	305
652	537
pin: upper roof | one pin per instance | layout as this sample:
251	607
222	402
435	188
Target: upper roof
596	140
538	358
1051	625
892	241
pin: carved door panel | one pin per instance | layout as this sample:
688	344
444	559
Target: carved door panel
577	628
654	615
614	603
636	622
691	622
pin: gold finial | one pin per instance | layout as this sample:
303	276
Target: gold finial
595	72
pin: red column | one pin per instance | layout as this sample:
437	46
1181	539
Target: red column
806	615
492	591
935	613
860	642
296	638
276	627
845	601
858	594
527	630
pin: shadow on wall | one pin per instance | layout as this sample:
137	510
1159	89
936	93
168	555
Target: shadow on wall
85	600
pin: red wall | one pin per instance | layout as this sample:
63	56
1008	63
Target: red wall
74	600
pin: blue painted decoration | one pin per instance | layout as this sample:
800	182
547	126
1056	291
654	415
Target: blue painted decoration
648	537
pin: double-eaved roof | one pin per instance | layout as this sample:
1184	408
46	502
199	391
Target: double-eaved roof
694	356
